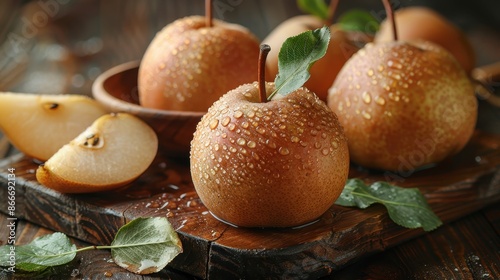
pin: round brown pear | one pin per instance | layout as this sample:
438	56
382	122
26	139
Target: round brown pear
190	64
325	70
403	105
280	163
421	23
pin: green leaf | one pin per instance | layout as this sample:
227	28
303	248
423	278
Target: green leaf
48	250
296	56
314	7
145	245
358	20
406	207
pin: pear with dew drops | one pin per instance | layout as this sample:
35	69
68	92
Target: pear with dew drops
403	105
193	61
426	24
260	159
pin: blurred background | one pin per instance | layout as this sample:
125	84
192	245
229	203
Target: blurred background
61	46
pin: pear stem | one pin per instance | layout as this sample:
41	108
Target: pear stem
331	12
390	16
208	13
261	75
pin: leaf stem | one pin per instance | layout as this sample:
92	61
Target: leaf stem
273	94
208	13
102	247
390	16
264	50
332	7
128	245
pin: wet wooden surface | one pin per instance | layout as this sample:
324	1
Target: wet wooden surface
458	187
52	57
464	249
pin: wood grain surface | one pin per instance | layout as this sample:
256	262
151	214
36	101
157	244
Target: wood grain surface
465	249
81	39
455	188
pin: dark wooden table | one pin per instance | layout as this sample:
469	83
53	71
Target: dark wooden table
465	249
62	46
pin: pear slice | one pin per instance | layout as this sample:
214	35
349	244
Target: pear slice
39	125
113	151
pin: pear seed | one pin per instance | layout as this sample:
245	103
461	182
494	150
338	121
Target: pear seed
51	106
92	141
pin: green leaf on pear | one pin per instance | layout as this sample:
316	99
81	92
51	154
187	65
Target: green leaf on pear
296	56
316	8
407	207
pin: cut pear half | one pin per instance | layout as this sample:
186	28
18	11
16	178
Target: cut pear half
39	125
112	152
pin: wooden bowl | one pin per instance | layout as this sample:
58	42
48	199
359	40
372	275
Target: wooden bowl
117	90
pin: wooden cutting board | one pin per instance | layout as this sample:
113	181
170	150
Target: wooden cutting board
459	186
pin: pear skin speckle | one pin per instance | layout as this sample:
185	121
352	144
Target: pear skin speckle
188	66
418	108
287	170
